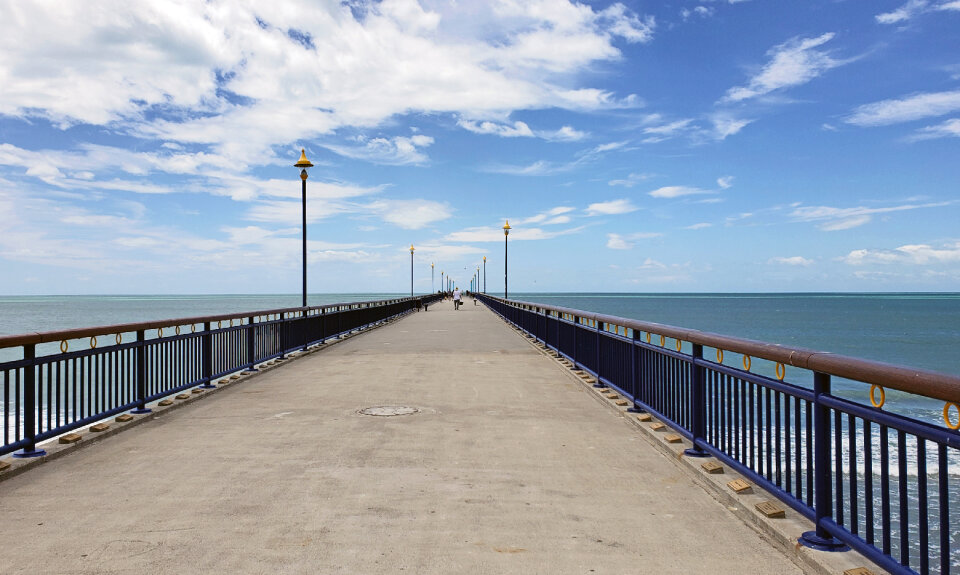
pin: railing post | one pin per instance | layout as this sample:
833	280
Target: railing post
251	344
141	367
207	364
698	404
634	376
30	405
821	539
599	383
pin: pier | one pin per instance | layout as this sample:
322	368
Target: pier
441	442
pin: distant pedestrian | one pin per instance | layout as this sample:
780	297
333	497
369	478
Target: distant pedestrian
456	298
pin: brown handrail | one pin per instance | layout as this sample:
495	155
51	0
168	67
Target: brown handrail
918	381
84	332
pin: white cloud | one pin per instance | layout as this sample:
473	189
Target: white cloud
553	216
914	107
410	214
395	151
725	182
564	134
914	8
518	129
233	74
628	241
792	261
495	234
905	12
834	219
677	192
700	226
792	63
614	207
948	129
725	125
631	180
912	254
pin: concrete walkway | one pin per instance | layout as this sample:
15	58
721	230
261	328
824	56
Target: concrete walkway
510	466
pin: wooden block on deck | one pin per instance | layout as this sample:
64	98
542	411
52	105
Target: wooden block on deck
198	390
4	466
712	467
611	394
166	402
183	396
223	381
644	417
99	427
771	509
70	438
740	486
858	571
234	377
673	438
123	418
658	426
623	403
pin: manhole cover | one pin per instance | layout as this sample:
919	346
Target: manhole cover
389	410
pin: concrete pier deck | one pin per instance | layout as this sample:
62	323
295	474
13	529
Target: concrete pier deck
510	466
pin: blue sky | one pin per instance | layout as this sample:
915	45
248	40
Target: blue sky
684	146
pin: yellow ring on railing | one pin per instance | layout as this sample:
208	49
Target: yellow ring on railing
679	343
747	362
193	328
119	338
946	415
64	346
177	331
663	340
219	324
231	322
160	332
93	342
873	396
719	355
648	337
781	371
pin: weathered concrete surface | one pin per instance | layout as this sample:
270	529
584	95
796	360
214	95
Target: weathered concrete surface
509	467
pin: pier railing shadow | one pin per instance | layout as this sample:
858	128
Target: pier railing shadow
884	483
51	390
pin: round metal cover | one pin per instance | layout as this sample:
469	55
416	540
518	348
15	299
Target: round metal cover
389	410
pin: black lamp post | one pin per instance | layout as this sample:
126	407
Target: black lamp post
411	270
431	278
484	274
506	232
303	163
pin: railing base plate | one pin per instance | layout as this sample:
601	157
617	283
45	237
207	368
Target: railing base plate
141	411
24	454
813	541
694	452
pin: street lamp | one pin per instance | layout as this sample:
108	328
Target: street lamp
506	232
411	270
443	286
303	163
431	278
484	274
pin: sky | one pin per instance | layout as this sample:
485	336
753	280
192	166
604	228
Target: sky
671	146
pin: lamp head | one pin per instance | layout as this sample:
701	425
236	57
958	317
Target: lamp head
411	248
303	163
506	228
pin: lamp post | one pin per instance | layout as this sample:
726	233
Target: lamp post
303	163
506	232
443	286
431	279
484	274
411	270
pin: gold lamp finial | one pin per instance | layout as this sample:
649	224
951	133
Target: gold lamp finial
506	228
411	248
303	162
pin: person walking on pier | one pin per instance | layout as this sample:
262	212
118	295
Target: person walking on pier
456	298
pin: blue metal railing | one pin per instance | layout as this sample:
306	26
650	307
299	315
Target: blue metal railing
883	483
46	395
